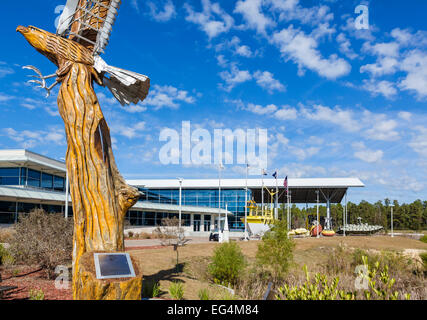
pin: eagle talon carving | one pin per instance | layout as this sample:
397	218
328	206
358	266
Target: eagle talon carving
42	81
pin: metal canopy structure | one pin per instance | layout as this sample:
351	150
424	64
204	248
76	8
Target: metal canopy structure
300	190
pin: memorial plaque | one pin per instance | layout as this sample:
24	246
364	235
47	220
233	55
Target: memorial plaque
113	265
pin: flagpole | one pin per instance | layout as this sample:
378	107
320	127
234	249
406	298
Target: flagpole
262	192
276	209
318	233
246	202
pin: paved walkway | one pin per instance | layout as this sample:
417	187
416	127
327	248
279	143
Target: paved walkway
156	242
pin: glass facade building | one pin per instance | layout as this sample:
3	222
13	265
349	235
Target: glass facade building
22	176
231	199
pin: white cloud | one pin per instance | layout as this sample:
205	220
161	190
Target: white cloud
283	113
415	64
405	115
266	80
135	4
365	154
5	70
5	97
258	109
298	170
286	113
251	10
129	131
212	19
387	58
303	153
345	46
236	47
343	118
166	96
234	77
295	45
164	15
383	87
419	141
292	10
380	127
32	138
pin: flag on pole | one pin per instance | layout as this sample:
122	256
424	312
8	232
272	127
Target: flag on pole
263	172
275	174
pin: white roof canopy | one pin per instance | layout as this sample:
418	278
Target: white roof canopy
22	157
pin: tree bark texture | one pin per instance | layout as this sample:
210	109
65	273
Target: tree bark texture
99	194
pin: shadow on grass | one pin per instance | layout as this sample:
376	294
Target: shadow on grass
171	275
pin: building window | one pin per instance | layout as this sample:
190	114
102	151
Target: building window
7	212
33	178
47	181
9	176
58	183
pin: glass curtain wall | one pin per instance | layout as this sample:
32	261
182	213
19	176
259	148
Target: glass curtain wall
234	199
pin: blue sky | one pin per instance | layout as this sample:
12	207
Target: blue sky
337	101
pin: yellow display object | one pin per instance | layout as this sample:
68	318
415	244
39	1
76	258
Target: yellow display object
328	233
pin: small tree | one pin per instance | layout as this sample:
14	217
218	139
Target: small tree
227	264
275	251
43	239
171	234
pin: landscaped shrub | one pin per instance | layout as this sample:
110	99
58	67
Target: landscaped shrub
275	251
227	264
204	294
339	260
176	290
396	262
423	257
5	256
6	234
43	239
424	238
150	289
36	294
374	283
319	289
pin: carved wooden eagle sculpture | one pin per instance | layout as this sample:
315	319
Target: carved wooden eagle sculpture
82	35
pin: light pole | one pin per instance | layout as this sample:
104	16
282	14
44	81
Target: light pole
344	213
246	202
180	202
318	233
262	191
276	201
66	189
391	206
220	167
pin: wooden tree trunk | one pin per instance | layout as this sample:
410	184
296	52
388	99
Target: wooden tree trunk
99	193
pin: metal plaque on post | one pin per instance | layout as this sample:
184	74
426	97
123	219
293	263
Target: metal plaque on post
113	265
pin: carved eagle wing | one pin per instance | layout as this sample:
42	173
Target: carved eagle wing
89	22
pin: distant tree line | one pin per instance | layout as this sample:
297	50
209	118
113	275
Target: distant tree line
412	216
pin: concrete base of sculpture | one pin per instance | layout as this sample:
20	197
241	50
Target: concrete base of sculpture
88	287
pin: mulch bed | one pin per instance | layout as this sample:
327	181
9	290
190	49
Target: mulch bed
28	278
31	278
